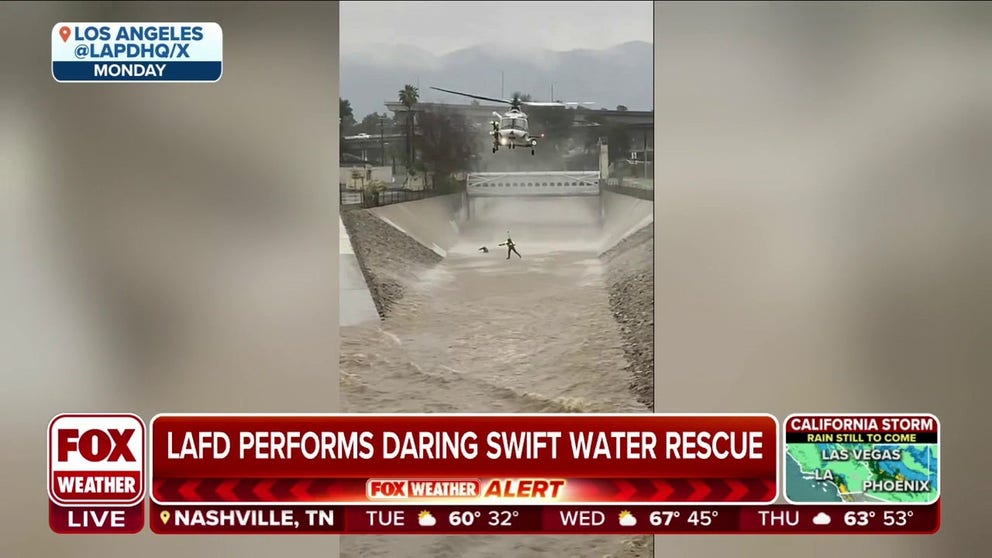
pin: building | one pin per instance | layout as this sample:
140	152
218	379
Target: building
356	173
639	125
375	148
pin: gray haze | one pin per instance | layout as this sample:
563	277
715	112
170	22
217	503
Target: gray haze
602	52
621	75
443	27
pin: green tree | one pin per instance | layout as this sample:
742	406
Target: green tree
409	96
347	115
619	143
371	124
445	142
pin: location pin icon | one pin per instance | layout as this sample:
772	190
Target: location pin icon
64	33
165	517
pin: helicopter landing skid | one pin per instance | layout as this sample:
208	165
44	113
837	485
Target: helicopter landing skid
512	146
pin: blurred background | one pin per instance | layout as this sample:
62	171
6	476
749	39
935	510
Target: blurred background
821	243
166	248
822	230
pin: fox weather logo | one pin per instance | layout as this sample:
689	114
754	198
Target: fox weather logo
137	52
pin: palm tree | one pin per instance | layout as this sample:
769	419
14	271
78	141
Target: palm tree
409	96
346	122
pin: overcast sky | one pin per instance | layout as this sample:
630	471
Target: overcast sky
442	27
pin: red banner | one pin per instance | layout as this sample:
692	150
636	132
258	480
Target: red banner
571	490
96	519
452	458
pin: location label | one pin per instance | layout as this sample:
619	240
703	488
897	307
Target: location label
121	52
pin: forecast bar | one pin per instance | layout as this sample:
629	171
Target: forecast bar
518	520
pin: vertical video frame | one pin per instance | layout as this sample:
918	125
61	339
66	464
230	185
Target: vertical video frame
497	222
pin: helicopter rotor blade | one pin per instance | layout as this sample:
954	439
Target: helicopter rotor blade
557	104
474	96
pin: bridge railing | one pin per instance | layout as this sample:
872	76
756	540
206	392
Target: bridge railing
535	183
635	187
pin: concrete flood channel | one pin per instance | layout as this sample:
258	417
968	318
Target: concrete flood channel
432	324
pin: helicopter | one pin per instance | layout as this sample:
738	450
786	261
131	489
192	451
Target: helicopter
510	129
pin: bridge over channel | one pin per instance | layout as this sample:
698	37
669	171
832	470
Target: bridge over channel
540	183
556	211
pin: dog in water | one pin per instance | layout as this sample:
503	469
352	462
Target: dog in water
484	250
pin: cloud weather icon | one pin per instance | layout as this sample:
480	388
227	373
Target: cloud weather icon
425	519
627	519
821	519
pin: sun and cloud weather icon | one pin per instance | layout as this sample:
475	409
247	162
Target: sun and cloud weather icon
821	519
627	519
425	519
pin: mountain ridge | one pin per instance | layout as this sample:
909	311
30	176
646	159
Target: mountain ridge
623	74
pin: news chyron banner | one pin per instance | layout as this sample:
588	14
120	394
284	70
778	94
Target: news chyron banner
459	459
112	52
492	474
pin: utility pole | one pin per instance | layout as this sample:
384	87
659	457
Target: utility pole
502	76
382	138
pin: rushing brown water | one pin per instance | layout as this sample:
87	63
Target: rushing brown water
482	334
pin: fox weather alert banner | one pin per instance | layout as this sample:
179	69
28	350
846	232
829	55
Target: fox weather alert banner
216	474
495	459
137	52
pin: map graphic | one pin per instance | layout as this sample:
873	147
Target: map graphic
862	472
